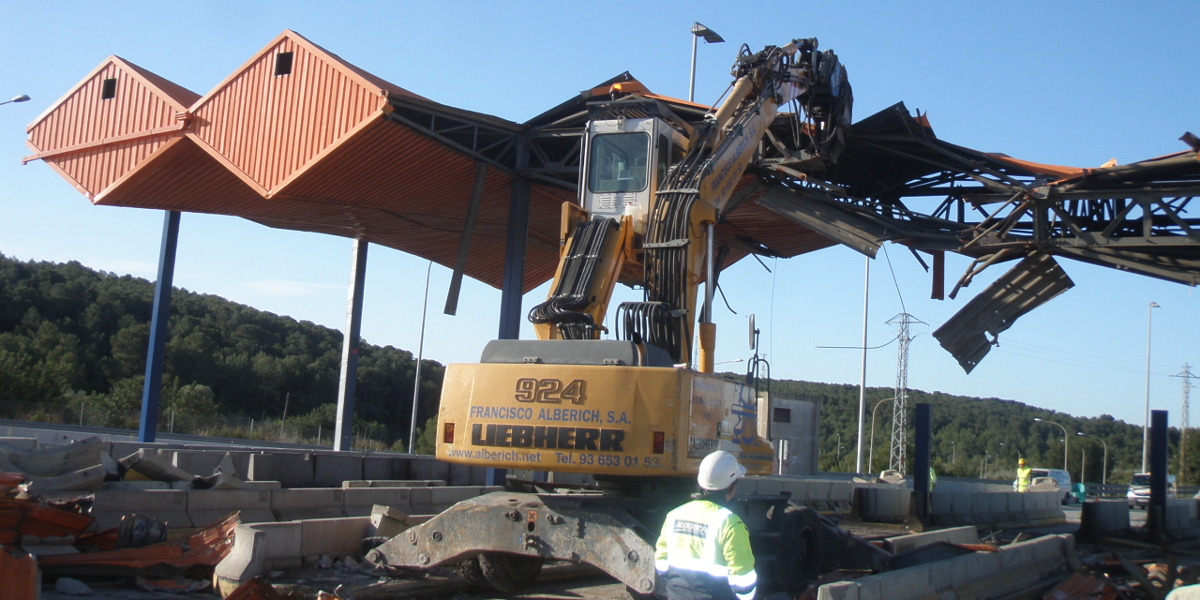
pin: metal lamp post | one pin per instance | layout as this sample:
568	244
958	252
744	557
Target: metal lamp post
412	425
1146	419
871	453
1104	466
21	98
710	36
1066	445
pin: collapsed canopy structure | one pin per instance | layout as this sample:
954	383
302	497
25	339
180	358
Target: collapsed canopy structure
298	138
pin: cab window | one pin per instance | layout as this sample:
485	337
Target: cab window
668	154
618	162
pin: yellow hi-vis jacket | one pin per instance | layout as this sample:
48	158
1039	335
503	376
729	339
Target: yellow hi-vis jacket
704	552
1023	477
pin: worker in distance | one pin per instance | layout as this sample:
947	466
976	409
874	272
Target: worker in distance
704	550
1024	474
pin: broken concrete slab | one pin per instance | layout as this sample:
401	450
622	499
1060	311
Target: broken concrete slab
50	462
84	479
957	535
149	464
260	547
387	521
976	575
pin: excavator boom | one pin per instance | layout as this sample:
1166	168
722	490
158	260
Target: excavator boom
652	188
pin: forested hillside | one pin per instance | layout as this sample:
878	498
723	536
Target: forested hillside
964	429
73	347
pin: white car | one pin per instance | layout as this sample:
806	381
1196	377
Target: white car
1138	495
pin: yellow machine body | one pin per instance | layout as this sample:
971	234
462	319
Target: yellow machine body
596	419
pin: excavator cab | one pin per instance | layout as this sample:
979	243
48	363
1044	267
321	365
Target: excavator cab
624	163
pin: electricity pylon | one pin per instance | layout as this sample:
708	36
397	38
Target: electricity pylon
1187	377
896	460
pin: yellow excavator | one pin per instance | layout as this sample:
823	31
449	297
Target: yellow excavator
633	410
651	191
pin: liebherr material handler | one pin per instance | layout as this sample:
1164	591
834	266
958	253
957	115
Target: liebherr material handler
633	411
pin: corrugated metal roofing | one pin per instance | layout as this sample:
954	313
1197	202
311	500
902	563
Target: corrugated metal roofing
93	140
316	150
312	150
1034	281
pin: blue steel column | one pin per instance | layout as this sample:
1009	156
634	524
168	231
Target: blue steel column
343	434
514	268
514	252
1156	512
921	444
152	387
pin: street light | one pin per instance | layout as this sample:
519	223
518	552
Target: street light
871	453
1104	467
710	36
1066	443
1146	419
725	362
21	98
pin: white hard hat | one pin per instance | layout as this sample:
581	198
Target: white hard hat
719	470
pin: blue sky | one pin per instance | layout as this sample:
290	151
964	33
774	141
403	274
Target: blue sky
1071	83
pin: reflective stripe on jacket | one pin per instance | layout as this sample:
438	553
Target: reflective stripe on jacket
704	552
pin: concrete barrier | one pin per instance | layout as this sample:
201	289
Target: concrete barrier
170	506
1180	519
331	469
1103	518
293	470
207	506
821	495
261	547
977	575
307	503
876	504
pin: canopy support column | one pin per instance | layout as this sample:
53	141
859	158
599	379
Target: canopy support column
514	268
344	435
152	387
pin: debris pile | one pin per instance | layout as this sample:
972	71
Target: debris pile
88	465
57	539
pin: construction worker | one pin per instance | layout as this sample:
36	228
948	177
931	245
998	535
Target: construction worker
704	550
1023	475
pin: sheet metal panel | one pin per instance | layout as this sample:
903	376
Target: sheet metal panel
182	176
270	126
1031	283
82	119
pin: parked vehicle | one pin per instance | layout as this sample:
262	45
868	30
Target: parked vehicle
1138	495
1058	476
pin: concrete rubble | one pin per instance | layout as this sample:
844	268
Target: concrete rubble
146	519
